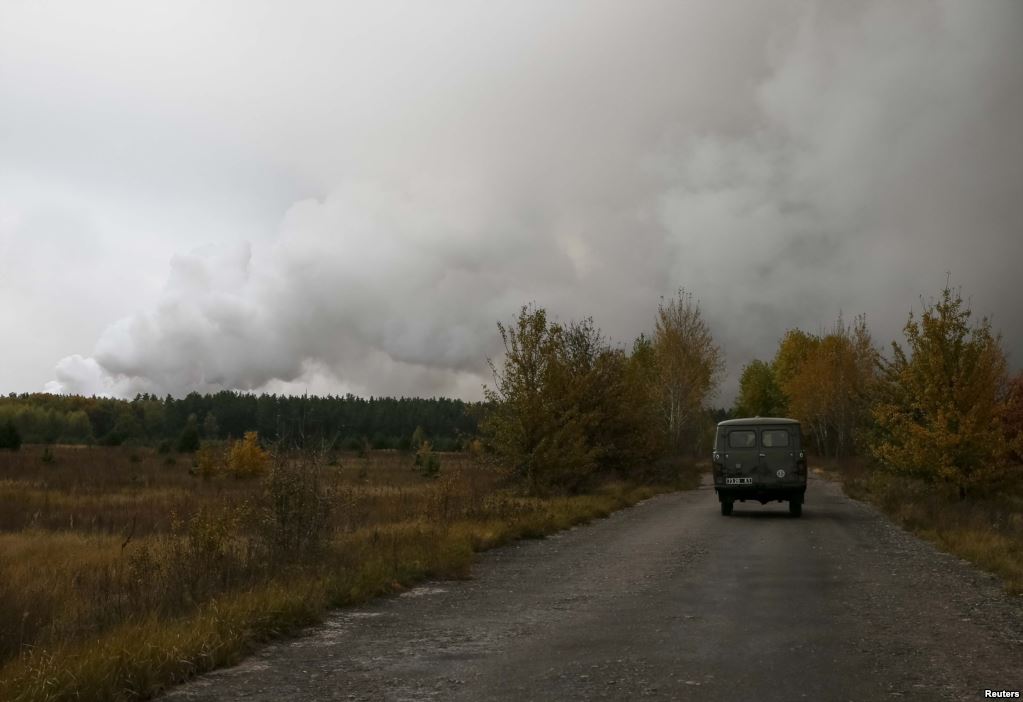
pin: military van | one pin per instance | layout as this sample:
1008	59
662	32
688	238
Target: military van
762	459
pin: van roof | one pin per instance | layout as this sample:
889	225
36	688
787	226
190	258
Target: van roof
756	421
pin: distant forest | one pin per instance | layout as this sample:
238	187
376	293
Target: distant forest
346	422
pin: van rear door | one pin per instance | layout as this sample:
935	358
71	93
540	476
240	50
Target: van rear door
778	447
741	455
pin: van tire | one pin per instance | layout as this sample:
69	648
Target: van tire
796	508
726	508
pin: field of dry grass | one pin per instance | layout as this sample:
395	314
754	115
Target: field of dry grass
121	572
986	529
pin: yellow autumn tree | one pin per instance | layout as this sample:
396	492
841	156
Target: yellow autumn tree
938	417
793	350
827	382
246	458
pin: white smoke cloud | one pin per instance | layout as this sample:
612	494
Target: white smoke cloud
785	162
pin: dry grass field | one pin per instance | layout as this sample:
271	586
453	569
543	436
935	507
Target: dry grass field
123	570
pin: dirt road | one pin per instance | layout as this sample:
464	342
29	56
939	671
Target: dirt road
670	601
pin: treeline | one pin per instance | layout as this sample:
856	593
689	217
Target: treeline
942	409
348	422
568	407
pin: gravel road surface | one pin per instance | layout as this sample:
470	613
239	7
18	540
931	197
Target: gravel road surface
669	601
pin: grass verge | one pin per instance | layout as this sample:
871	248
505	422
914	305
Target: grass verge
148	652
986	530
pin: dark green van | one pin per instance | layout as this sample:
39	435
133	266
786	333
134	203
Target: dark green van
762	459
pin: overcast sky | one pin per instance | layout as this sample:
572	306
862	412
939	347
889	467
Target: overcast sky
334	197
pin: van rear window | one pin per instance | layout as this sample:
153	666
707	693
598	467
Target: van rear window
742	439
774	438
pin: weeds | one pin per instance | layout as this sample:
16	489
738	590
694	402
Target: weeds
294	517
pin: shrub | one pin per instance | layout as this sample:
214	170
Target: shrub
427	461
246	458
294	516
418	438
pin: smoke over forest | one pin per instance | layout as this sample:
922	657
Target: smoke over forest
351	203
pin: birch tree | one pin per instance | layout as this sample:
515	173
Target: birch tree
689	365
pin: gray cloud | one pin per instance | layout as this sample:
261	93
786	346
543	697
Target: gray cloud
405	177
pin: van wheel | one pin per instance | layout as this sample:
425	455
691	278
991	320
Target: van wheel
795	508
726	508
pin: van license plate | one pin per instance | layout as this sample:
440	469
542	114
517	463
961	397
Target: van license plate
738	481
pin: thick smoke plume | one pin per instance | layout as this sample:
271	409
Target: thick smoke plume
784	161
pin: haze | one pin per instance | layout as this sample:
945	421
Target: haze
331	197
